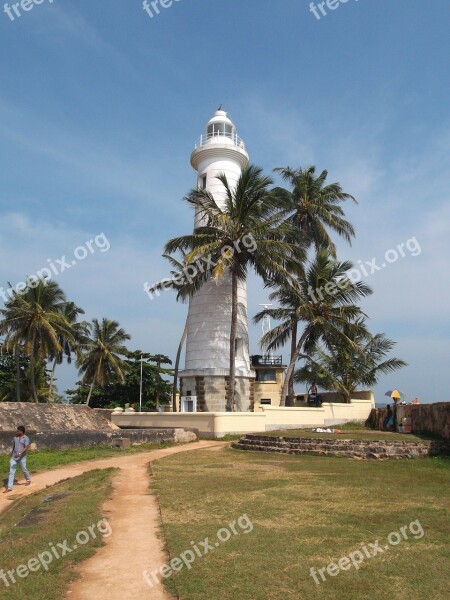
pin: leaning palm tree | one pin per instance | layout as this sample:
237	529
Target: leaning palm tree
246	211
343	367
35	319
322	301
184	290
313	207
103	354
71	345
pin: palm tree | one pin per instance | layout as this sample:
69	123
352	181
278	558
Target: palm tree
69	346
247	211
103	354
35	319
184	291
323	301
343	367
313	207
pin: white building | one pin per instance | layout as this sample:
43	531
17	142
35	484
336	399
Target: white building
207	367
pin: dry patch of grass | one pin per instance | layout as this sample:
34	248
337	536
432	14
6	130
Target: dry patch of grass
306	512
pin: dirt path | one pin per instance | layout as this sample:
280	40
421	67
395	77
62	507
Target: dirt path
115	572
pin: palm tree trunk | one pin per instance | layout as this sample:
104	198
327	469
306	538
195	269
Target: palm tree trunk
32	370
90	392
50	389
17	357
290	371
290	397
177	366
234	310
32	379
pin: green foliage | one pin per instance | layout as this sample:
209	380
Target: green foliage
35	321
346	363
155	388
327	318
8	379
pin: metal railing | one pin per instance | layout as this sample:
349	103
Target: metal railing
266	360
211	138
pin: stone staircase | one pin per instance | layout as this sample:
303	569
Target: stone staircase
348	448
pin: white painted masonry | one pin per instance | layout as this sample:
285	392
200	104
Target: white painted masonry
219	150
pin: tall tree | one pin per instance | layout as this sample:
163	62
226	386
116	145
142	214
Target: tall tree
314	209
184	288
103	354
247	212
343	367
35	320
69	345
322	302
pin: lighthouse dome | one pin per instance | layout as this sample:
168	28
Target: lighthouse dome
220	124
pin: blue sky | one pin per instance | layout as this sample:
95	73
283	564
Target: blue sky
100	106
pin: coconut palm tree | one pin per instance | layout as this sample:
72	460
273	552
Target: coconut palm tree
343	367
71	345
184	290
35	319
313	207
103	354
247	212
322	301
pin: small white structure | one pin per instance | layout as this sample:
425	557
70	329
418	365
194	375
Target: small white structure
219	151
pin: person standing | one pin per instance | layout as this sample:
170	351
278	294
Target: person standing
388	422
21	443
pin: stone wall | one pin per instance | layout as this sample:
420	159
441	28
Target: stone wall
65	440
425	418
61	427
212	391
358	449
53	417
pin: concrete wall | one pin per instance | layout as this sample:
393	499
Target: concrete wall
212	424
218	424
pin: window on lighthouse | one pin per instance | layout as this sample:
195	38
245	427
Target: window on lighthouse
220	129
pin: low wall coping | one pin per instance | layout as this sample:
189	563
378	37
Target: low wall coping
183	415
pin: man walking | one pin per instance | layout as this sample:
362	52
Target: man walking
21	443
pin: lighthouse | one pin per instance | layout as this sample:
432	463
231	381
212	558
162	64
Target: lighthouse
204	380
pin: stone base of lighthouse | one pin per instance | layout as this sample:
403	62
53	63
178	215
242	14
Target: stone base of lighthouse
211	390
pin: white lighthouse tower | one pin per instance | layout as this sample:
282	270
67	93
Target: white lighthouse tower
207	368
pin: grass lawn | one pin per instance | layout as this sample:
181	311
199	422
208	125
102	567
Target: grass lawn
52	516
306	512
43	460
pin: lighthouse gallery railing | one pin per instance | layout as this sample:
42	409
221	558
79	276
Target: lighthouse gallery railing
210	138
